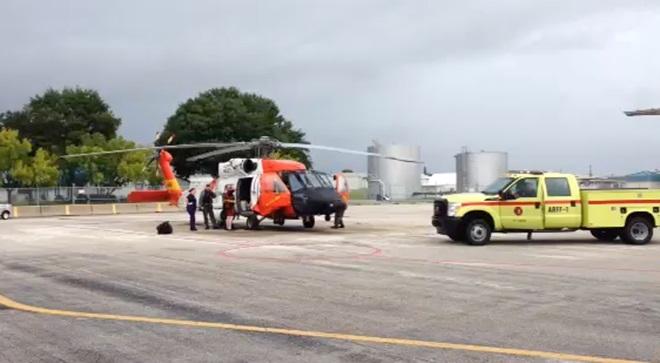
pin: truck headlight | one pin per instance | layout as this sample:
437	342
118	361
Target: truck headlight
452	208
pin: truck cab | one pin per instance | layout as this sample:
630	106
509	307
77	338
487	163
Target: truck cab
549	202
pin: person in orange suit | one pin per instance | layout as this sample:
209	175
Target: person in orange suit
228	203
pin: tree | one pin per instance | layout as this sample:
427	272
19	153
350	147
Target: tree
288	154
14	153
112	169
57	119
18	168
226	114
41	172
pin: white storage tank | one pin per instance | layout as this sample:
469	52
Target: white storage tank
476	170
391	179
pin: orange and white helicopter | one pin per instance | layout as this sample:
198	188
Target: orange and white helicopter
264	188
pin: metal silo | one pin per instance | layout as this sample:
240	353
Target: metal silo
390	178
476	170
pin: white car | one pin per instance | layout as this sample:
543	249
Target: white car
5	211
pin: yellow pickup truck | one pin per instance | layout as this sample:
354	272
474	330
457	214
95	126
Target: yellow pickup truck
547	202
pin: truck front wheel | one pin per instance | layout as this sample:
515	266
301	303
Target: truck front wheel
477	232
638	231
607	235
456	236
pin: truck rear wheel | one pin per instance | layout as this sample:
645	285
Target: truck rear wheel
638	231
607	235
477	232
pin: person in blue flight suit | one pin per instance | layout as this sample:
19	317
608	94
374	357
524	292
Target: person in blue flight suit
191	207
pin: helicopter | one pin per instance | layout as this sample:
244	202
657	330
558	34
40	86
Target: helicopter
264	188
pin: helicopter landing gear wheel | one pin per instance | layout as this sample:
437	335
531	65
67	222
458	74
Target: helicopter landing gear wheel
252	222
222	220
308	222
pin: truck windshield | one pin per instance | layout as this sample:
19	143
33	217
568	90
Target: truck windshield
497	186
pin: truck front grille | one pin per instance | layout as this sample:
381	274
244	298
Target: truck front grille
440	208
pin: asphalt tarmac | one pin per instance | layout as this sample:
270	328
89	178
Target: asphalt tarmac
387	288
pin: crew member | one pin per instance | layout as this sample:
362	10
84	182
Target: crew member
206	200
341	188
191	207
228	204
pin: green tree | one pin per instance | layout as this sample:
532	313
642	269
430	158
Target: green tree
226	114
57	119
42	170
14	154
18	168
111	169
288	154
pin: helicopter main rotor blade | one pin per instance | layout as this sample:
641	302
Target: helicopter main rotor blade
346	151
227	150
200	145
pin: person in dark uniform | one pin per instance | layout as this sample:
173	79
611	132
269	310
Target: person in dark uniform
191	207
339	217
206	200
341	209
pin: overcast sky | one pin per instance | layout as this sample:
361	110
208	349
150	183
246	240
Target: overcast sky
545	81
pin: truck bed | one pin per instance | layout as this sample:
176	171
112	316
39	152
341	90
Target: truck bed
604	208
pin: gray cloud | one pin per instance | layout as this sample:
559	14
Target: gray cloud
544	80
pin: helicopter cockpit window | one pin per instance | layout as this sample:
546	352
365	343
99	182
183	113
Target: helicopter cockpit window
279	186
295	183
307	179
323	178
272	183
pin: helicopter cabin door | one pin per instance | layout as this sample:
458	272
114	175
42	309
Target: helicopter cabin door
255	191
244	194
274	197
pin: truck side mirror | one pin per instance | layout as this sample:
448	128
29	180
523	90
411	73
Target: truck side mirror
507	195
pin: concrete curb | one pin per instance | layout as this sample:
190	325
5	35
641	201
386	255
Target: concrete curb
90	209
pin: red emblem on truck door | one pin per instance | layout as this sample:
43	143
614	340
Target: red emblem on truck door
518	211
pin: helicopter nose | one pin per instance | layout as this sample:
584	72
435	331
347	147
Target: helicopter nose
324	202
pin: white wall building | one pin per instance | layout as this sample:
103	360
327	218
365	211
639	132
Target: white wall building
439	183
356	181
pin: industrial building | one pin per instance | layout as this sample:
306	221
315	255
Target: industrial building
391	179
476	170
648	179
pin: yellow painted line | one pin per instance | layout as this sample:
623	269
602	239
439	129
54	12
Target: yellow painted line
314	334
